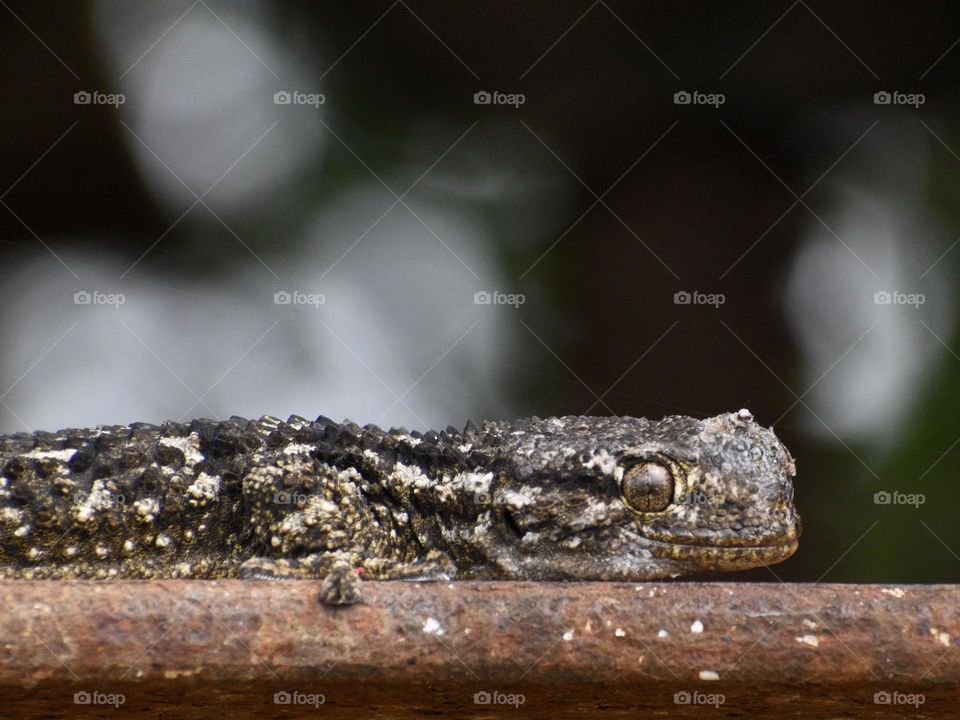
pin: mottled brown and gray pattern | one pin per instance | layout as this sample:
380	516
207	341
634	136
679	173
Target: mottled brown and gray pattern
555	499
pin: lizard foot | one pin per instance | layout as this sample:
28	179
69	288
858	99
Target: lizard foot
341	586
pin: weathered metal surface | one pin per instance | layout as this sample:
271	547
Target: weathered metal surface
188	648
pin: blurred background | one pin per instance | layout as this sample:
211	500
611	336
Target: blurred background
415	212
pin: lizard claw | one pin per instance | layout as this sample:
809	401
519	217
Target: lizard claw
341	586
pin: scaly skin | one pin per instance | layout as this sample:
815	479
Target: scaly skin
529	499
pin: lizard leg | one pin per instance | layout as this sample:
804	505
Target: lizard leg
341	580
313	566
317	523
433	566
342	585
342	571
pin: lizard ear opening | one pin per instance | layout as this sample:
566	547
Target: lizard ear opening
647	486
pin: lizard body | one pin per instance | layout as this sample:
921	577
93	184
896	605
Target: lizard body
575	498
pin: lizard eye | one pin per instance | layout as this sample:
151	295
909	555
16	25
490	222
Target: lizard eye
647	487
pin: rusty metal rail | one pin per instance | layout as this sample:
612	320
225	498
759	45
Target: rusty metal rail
181	648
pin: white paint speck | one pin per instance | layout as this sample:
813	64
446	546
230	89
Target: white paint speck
709	675
697	627
432	627
809	624
568	636
811	640
620	632
941	637
662	634
896	592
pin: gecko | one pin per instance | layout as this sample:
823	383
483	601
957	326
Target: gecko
561	498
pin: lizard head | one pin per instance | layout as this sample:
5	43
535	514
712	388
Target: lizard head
631	499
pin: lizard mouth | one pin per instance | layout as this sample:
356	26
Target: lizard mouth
725	557
782	543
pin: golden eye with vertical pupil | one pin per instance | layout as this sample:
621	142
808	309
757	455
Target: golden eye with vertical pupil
647	487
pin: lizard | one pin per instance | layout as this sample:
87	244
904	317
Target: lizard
561	498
